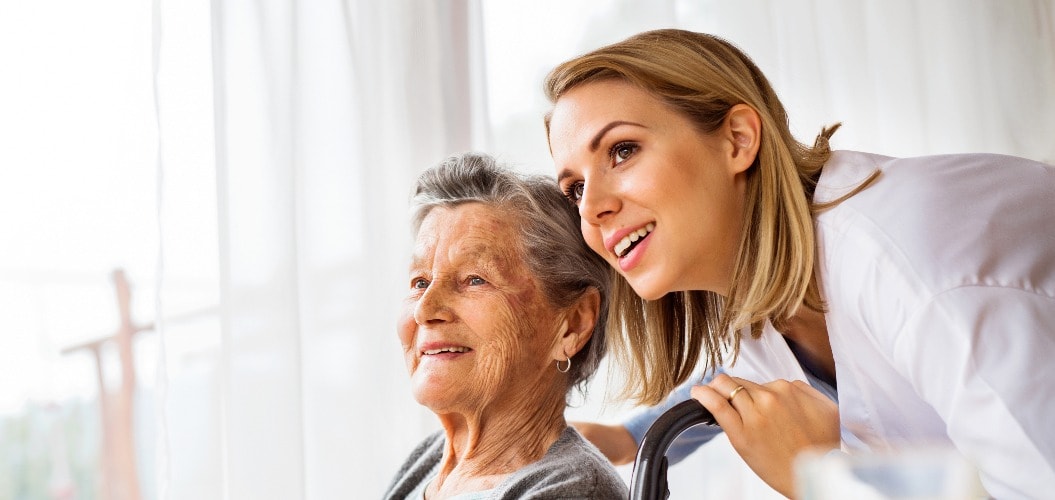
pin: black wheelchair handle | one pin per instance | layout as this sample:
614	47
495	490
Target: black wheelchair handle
649	478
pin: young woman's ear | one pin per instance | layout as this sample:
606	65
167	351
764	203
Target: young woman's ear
580	320
743	129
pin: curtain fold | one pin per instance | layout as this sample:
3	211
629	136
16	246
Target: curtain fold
906	78
325	112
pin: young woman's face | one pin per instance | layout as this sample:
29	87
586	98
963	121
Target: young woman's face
659	199
476	329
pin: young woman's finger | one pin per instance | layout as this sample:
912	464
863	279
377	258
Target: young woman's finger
737	391
724	413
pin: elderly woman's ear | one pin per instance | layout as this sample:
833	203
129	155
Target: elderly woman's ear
577	327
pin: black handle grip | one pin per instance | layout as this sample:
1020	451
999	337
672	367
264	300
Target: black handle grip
649	479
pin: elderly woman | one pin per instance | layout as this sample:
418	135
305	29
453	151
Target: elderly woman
500	322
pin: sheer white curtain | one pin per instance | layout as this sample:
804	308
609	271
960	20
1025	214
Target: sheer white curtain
323	112
326	112
906	78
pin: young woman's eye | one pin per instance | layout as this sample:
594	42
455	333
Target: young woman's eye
574	192
623	151
476	281
419	283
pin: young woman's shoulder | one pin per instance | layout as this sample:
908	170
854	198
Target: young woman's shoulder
945	221
940	284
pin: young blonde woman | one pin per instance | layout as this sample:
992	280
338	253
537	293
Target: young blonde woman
922	289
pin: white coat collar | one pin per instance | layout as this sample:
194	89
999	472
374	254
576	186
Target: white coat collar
843	172
766	358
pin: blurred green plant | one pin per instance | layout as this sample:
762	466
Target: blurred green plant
51	452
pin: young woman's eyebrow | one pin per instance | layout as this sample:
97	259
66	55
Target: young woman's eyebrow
596	143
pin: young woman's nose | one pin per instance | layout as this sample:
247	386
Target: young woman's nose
598	201
433	306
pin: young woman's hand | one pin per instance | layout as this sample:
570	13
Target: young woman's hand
770	424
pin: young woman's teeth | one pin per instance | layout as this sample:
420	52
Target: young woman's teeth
625	244
446	349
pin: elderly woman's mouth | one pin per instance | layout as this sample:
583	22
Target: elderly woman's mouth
448	350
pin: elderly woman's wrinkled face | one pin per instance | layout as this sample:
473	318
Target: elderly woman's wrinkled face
476	327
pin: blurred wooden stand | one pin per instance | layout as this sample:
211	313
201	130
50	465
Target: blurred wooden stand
120	474
117	406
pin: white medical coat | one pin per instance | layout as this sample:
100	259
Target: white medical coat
940	285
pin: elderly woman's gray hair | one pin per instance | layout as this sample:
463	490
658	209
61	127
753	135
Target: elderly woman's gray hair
548	225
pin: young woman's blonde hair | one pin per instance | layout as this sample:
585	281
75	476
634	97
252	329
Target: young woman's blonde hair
702	77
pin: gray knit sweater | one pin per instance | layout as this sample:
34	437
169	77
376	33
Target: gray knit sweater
571	468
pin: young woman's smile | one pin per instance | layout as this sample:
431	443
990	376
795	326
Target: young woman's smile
659	199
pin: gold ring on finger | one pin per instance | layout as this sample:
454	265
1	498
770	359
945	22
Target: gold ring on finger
735	392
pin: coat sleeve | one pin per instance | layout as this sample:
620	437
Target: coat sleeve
984	358
687	442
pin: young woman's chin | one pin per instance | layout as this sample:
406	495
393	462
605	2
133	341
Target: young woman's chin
652	287
648	289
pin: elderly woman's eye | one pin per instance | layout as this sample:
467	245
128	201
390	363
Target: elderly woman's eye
622	151
574	192
476	281
419	283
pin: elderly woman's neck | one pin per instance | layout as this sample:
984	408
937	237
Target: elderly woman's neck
485	446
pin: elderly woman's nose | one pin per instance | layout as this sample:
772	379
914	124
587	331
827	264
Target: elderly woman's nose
434	305
598	201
